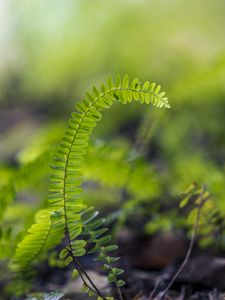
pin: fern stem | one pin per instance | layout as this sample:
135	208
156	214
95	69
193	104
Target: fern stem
119	292
82	272
79	267
89	279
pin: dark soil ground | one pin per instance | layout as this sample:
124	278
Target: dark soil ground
150	264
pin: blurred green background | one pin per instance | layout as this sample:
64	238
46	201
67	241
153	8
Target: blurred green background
52	52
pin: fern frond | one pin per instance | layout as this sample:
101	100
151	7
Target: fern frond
100	239
65	203
65	187
42	236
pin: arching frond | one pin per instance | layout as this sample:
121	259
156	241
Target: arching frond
65	203
66	180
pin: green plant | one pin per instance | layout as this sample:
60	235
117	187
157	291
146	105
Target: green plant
67	216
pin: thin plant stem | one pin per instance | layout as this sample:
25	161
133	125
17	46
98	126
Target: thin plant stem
119	292
154	289
83	273
190	248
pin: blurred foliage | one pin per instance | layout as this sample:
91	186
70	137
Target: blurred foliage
52	48
51	51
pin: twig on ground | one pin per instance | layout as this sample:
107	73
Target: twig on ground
154	289
182	294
